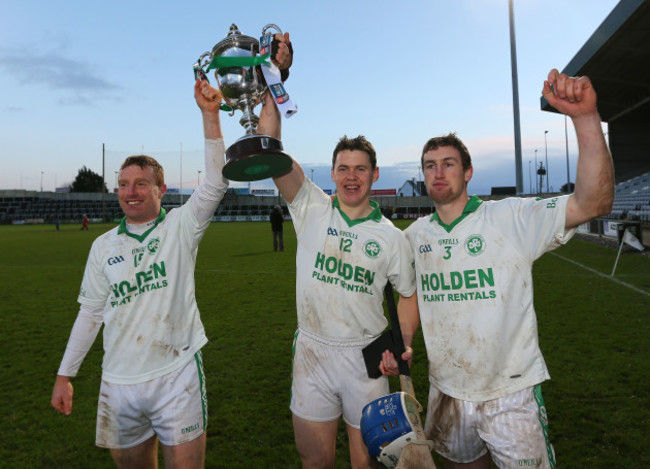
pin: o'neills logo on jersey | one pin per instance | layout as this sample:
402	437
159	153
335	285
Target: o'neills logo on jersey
150	279
335	271
447	286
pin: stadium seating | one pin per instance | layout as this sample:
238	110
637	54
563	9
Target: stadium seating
632	199
49	210
631	202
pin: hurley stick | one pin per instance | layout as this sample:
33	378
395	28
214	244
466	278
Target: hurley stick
413	455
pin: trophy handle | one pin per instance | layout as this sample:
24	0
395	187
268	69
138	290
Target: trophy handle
199	74
200	65
271	26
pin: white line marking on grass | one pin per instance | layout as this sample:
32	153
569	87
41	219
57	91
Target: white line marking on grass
632	287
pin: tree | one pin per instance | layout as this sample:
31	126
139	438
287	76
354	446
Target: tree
88	181
572	187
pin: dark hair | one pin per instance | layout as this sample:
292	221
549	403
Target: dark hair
358	143
144	161
449	140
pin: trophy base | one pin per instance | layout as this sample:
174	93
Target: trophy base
256	157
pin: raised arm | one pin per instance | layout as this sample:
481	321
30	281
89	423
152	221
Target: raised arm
210	192
205	96
594	186
271	124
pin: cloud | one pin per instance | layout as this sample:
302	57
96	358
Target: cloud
75	79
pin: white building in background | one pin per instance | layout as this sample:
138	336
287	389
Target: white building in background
412	188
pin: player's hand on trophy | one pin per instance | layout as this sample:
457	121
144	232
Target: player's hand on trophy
282	51
207	97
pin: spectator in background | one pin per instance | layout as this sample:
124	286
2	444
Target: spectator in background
277	219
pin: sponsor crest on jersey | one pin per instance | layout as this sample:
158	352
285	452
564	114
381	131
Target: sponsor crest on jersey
474	245
153	245
372	249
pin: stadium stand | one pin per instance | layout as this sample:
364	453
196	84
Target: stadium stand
632	199
47	207
19	206
631	206
632	202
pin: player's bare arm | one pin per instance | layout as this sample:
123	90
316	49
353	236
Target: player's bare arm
207	98
270	124
594	187
409	320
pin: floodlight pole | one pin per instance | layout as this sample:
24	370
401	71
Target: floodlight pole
547	173
566	140
180	191
103	182
536	184
515	101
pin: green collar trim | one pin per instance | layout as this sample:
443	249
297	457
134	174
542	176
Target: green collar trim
472	204
375	215
122	228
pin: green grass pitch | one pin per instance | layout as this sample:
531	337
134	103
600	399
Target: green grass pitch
593	332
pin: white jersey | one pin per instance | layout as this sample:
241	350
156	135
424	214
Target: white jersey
342	266
145	285
475	295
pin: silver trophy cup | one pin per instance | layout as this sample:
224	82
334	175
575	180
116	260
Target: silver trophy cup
240	80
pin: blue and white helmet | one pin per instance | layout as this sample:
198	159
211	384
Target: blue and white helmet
386	427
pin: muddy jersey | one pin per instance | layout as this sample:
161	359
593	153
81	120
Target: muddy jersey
475	295
145	285
342	266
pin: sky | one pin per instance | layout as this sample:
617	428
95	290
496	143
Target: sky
95	81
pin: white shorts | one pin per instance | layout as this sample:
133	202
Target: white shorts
330	379
174	407
514	429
